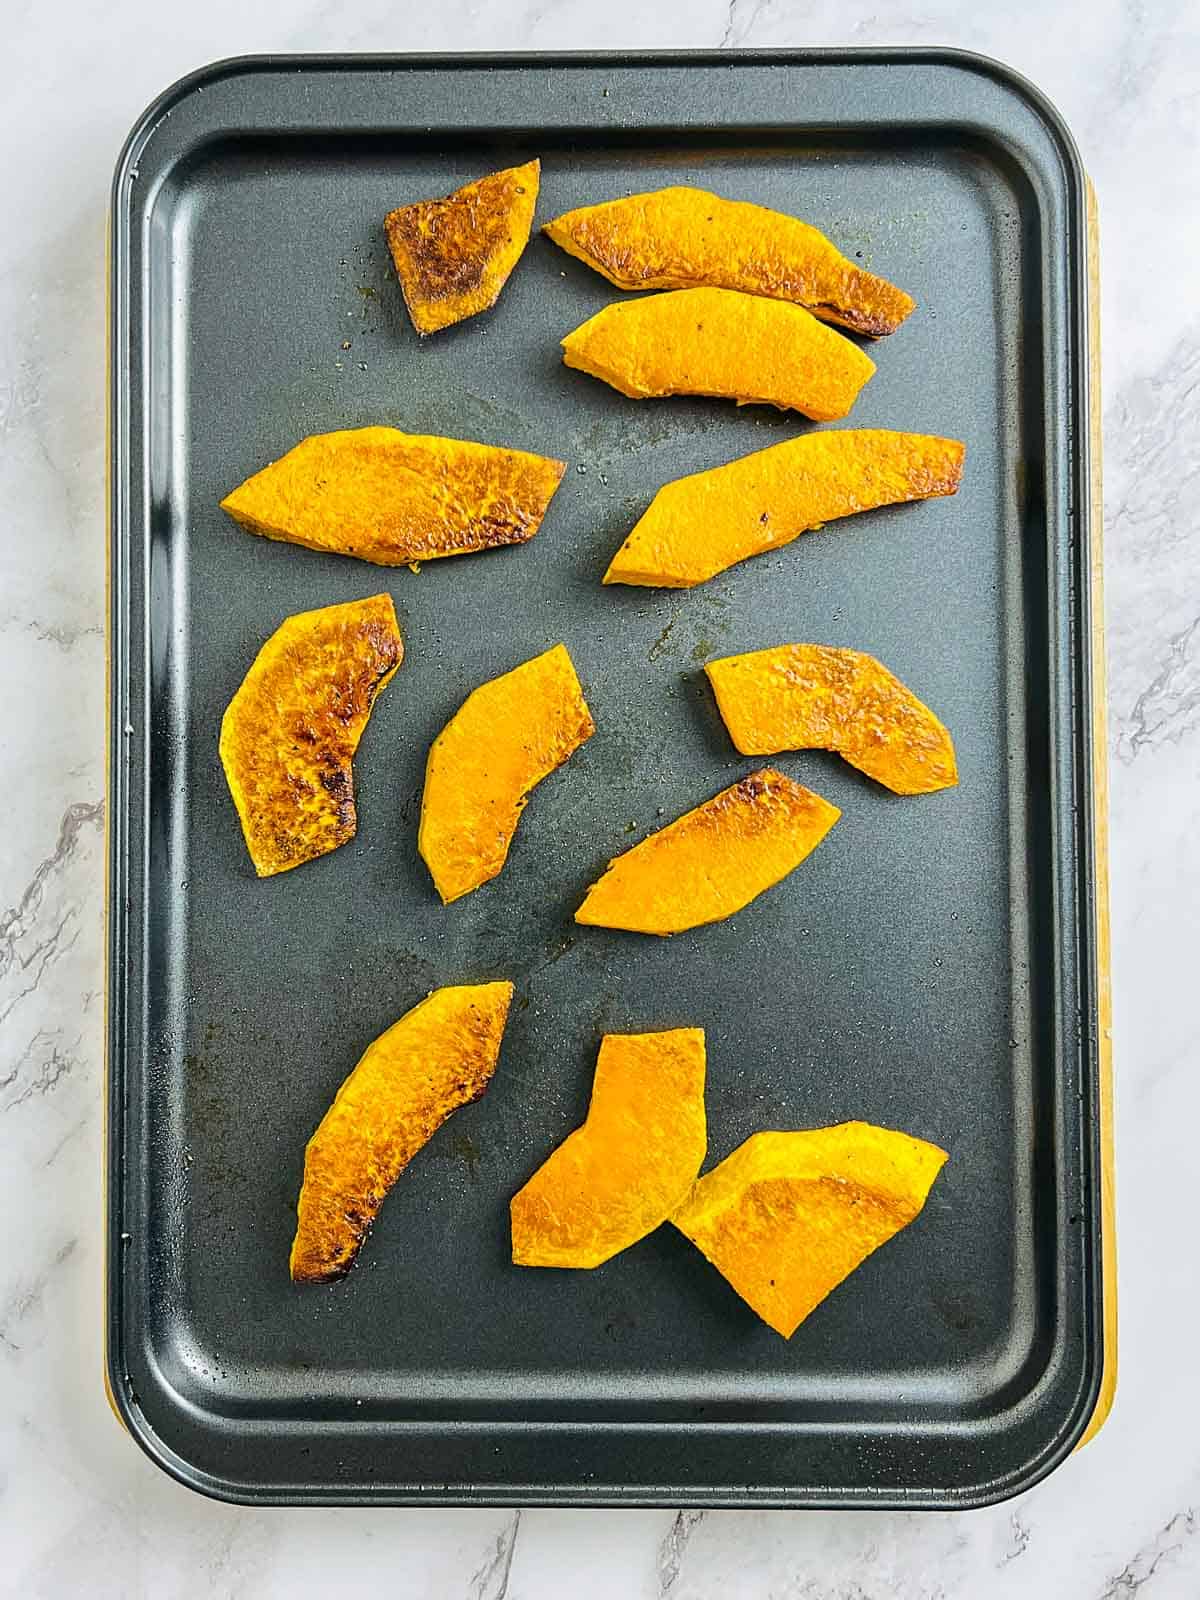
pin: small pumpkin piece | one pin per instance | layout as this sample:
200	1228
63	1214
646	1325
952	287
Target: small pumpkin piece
718	342
507	736
712	861
816	697
395	498
789	1216
681	237
453	256
289	734
698	526
630	1165
437	1057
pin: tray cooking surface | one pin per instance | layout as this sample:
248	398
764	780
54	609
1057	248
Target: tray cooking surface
924	969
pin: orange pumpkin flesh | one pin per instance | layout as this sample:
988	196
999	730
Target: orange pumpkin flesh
788	1216
394	498
507	736
680	237
621	1174
717	342
453	256
290	732
816	697
712	861
698	526
437	1057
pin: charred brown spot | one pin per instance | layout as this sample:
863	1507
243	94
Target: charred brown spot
448	244
492	531
872	323
432	248
473	1090
338	785
384	642
330	1267
291	731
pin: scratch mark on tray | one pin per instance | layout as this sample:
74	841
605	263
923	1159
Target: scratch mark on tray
660	644
564	949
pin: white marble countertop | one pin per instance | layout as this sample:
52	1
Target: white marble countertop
81	1510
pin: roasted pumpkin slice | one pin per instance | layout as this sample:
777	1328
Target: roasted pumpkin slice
290	732
393	497
712	861
816	697
507	736
718	342
788	1216
439	1056
630	1165
679	238
453	256
698	526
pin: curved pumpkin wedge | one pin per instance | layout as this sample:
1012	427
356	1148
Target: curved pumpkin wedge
439	1056
712	861
393	497
630	1165
717	342
507	736
290	732
816	697
453	256
680	237
788	1216
699	525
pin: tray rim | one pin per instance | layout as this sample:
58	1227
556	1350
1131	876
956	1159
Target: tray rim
1094	1395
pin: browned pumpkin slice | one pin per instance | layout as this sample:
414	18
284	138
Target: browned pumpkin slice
681	237
788	1216
718	342
816	697
290	732
712	861
393	497
507	736
439	1056
621	1174
698	526
453	256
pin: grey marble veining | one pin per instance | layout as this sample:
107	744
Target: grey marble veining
81	1512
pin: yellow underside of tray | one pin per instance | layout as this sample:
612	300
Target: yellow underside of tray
1108	1217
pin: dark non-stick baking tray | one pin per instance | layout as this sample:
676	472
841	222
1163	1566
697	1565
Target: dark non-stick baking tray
932	967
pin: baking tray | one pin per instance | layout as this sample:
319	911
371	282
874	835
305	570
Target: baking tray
932	967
